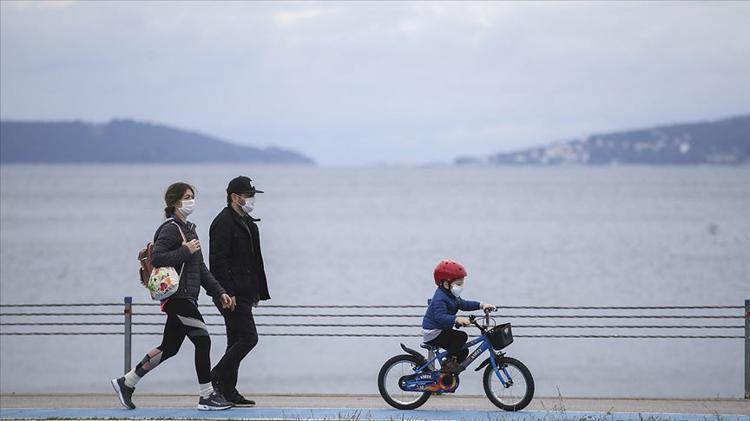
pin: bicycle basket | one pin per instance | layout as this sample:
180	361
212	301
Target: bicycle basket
500	336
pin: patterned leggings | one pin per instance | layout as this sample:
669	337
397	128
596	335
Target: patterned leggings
183	319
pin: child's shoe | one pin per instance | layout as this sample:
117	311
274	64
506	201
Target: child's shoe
451	366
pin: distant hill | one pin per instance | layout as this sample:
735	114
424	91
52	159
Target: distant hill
125	141
716	142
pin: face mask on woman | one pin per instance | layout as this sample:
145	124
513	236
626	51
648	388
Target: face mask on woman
187	207
249	205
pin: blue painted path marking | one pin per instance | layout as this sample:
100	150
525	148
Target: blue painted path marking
302	414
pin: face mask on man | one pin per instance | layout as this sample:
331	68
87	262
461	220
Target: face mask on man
187	207
249	205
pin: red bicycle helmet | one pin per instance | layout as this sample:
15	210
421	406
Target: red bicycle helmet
448	270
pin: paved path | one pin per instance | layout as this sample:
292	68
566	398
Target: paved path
318	407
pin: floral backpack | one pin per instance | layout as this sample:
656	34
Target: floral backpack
161	282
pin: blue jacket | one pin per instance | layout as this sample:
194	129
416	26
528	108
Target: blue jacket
441	313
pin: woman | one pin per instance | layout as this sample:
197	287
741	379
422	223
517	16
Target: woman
176	244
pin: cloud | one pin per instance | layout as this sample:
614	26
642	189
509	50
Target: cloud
39	4
291	18
365	82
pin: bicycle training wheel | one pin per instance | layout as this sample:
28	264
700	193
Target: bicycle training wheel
388	383
518	389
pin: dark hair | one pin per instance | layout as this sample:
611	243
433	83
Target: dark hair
174	194
229	197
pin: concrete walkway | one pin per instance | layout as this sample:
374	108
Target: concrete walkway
368	407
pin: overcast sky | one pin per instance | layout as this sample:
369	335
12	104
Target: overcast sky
365	83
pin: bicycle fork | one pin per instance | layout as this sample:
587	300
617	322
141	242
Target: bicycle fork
503	370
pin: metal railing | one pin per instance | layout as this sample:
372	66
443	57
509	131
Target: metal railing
378	321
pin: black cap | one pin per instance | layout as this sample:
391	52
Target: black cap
241	185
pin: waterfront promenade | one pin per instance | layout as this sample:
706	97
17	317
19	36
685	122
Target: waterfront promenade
369	407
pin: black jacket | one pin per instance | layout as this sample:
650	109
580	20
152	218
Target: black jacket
235	256
169	251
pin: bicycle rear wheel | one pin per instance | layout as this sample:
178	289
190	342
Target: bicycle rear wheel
388	383
518	389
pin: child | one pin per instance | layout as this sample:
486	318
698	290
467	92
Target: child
438	321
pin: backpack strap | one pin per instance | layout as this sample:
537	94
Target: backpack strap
158	230
178	228
183	239
169	220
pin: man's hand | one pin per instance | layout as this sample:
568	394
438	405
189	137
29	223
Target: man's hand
463	321
489	307
227	302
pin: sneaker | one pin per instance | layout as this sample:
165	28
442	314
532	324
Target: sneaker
124	392
451	366
238	400
215	402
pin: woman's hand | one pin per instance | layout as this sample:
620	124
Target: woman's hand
192	245
227	302
489	307
463	321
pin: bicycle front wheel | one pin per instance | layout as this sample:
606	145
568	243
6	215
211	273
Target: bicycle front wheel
388	383
516	389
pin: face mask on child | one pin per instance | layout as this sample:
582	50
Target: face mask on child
456	289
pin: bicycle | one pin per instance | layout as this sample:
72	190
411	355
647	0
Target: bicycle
406	381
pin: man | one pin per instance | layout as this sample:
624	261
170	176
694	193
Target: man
237	264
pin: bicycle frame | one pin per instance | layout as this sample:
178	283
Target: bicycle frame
484	346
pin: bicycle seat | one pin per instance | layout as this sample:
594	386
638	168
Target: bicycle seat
429	347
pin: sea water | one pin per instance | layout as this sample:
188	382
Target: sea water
529	236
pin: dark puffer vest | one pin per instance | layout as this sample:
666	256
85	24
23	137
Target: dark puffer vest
169	251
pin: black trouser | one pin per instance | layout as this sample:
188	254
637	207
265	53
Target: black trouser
452	341
242	336
183	319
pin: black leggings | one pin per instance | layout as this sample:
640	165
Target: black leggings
183	319
452	341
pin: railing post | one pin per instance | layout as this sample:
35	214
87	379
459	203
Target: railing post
128	330
747	349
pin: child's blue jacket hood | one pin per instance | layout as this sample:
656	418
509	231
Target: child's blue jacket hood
441	313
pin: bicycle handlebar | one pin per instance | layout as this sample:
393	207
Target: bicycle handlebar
473	320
